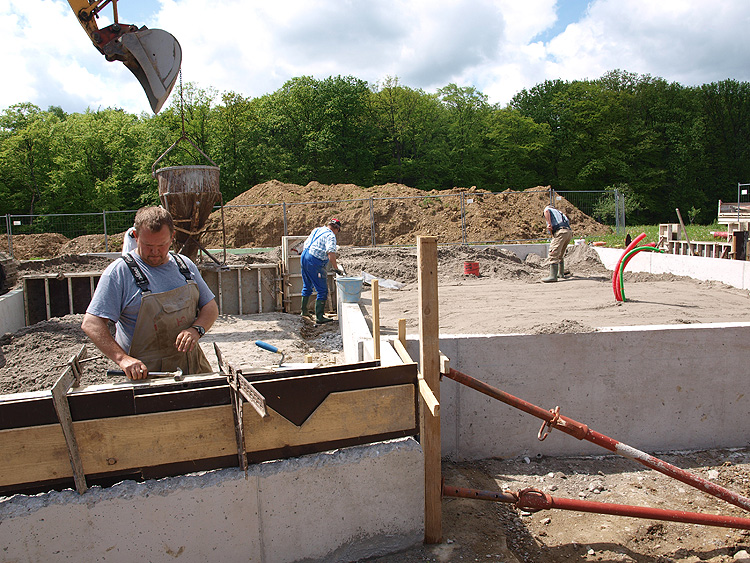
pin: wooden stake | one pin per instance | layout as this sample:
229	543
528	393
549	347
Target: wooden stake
402	331
375	318
429	358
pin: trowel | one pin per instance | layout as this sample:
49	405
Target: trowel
281	365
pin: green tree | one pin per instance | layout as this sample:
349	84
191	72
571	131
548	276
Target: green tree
25	158
410	138
467	113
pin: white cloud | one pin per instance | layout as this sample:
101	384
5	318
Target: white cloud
253	48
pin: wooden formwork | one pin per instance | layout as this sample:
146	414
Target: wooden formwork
162	427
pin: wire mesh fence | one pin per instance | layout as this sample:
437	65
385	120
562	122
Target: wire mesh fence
467	217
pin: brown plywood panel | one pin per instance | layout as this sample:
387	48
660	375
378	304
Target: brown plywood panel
365	412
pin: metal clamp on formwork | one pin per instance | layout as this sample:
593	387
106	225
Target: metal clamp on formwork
553	419
239	387
70	377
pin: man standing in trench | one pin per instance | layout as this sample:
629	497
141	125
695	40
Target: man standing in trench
159	302
558	226
319	249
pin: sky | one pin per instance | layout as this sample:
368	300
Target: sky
252	48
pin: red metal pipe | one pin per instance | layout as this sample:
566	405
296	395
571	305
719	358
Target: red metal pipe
553	419
537	500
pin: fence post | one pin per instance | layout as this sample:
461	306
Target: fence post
372	223
106	238
8	224
283	208
463	218
617	211
622	209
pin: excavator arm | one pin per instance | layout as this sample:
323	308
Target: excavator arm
152	55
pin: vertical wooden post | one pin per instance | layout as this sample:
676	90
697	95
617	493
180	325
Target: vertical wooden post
402	331
429	358
375	319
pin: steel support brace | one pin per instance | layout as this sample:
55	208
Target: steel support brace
553	419
537	500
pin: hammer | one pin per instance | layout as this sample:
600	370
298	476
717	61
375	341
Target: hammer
177	374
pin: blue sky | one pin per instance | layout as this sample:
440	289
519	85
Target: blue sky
497	46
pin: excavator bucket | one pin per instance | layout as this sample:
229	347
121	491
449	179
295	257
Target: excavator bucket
154	57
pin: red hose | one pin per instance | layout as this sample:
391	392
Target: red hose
616	274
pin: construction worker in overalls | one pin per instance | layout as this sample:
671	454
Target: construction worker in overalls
558	226
319	249
160	304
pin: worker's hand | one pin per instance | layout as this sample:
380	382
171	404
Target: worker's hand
339	271
133	368
186	340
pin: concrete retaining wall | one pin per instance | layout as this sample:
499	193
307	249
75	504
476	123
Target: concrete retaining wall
343	505
655	388
11	311
731	272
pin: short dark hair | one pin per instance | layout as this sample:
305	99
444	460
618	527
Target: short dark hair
153	218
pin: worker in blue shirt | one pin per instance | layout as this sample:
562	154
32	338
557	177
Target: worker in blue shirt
319	249
558	226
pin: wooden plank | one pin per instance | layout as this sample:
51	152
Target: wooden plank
40	453
69	377
429	359
364	412
431	402
375	318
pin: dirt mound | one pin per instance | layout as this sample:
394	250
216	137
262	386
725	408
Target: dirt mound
29	247
256	218
93	243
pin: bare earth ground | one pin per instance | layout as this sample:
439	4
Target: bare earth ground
507	297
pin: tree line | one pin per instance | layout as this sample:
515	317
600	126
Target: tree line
662	144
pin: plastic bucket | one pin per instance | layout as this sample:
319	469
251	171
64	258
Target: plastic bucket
350	288
471	268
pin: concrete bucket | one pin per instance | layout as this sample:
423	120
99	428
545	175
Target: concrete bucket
189	193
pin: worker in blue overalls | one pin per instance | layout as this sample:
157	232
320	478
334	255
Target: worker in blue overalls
319	249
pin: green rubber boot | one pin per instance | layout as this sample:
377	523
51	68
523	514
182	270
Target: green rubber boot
305	303
561	273
553	269
319	309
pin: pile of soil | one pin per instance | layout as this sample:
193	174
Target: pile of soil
510	215
255	218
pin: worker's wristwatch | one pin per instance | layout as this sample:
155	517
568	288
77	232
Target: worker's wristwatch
200	329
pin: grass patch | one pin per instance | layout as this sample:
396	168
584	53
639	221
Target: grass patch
694	232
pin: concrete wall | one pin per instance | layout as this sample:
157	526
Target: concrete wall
11	311
343	505
655	388
731	272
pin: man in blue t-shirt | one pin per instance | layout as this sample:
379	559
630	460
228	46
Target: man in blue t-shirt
319	249
159	302
558	226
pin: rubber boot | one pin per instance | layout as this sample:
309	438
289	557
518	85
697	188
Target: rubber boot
561	273
305	303
319	308
553	269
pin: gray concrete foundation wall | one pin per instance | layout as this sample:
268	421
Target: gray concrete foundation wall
655	388
11	311
342	505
